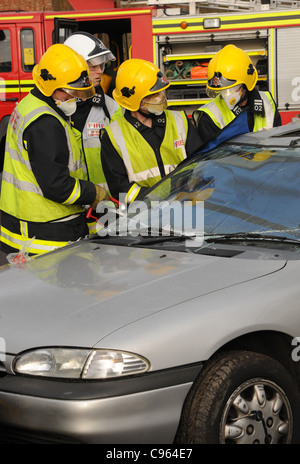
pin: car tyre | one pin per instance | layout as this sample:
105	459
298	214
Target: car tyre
241	397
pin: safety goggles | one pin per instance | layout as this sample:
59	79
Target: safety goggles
229	92
231	96
155	103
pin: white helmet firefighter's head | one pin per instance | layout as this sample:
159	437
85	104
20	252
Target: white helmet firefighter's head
91	48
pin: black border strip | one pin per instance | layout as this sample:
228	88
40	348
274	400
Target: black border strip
97	389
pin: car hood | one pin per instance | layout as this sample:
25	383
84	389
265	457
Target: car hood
80	294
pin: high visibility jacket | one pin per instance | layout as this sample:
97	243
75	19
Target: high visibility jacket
97	120
21	195
222	115
139	157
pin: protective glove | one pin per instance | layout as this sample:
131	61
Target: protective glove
101	195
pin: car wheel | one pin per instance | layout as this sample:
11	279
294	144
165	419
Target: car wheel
241	398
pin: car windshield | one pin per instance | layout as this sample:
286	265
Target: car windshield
232	190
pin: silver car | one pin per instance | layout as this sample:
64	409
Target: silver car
178	323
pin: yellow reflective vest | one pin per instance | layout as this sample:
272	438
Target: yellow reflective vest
222	115
21	195
139	157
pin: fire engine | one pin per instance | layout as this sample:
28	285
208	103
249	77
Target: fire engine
24	37
185	44
178	41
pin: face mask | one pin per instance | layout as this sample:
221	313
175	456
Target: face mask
155	104
232	96
68	107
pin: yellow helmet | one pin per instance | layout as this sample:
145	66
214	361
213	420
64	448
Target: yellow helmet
62	68
135	80
229	67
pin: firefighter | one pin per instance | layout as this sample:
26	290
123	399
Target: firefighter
149	141
237	106
44	182
98	111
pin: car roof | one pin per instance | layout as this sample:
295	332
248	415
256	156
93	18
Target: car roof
287	135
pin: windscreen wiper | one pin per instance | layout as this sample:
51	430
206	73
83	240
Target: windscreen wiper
250	236
152	236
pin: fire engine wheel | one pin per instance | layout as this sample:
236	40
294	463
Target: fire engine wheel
242	398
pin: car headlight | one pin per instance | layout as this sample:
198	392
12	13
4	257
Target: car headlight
75	363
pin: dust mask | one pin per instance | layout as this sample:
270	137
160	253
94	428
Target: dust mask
232	96
68	107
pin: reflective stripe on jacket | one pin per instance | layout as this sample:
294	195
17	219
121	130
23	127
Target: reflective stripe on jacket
21	195
96	121
28	245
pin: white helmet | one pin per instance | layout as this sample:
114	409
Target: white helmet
91	48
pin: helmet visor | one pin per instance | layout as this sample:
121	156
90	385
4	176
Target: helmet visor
82	87
83	94
101	52
212	93
101	59
220	82
94	66
160	84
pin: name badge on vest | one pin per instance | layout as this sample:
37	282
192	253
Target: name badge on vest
258	106
98	99
93	128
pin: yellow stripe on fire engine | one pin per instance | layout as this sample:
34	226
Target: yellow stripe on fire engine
272	64
230	22
9	86
197	101
207	56
15	18
186	81
84	15
26	85
154	50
